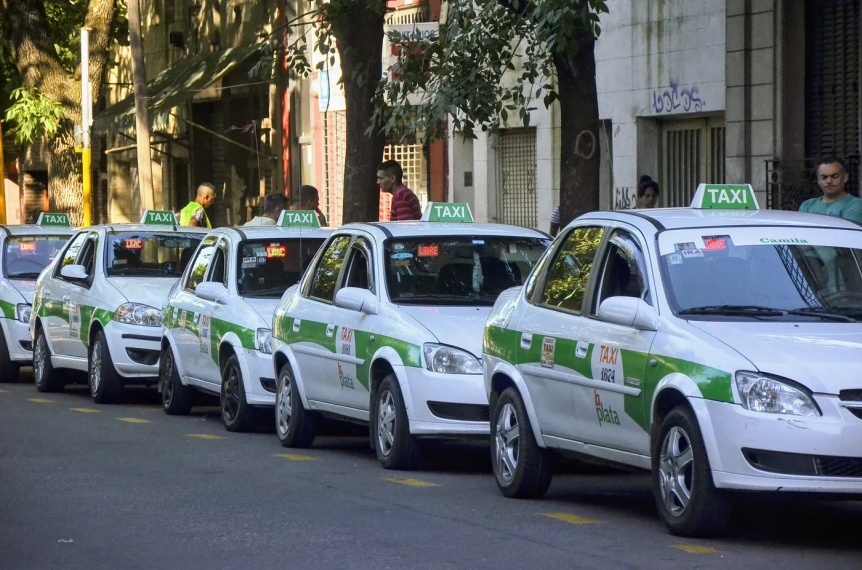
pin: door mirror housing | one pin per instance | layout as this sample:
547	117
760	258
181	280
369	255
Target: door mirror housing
210	291
629	312
356	299
74	272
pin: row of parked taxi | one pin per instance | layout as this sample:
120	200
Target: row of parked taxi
716	346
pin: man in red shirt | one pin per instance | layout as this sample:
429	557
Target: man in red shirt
405	204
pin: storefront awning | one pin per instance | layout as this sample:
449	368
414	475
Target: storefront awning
174	86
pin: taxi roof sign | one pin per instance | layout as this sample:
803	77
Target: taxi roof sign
54	219
724	197
159	218
306	219
458	212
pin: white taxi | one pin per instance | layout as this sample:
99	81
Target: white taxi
25	251
217	320
717	346
385	328
98	309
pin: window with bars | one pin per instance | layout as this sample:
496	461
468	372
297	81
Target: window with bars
413	163
334	145
516	177
692	151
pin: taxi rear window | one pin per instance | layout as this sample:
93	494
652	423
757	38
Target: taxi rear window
149	254
25	257
267	267
458	270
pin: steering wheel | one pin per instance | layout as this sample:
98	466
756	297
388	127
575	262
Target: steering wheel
844	298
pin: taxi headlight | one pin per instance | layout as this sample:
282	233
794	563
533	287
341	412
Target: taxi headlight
263	340
22	312
450	360
761	393
136	314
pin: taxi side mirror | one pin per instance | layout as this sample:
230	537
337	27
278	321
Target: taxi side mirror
74	272
629	312
356	299
211	291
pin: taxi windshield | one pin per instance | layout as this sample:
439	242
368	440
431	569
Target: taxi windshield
790	278
149	254
267	267
458	270
26	256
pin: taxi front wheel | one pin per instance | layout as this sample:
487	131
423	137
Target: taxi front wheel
106	386
236	413
522	468
8	369
294	425
395	447
176	398
687	501
45	376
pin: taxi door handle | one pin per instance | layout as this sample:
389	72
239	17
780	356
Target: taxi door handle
66	298
296	323
581	349
526	340
330	329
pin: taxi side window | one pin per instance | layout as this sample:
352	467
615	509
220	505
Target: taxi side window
624	270
199	265
87	257
569	271
359	266
71	253
328	269
218	274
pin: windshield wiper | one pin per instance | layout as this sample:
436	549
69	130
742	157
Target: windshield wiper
744	310
825	313
442	300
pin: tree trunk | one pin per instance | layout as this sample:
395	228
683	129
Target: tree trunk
359	36
579	132
26	31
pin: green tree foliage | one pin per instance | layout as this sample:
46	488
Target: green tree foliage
567	278
33	115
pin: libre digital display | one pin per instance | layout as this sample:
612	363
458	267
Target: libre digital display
428	251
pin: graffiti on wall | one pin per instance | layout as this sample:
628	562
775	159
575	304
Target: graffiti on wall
625	198
673	99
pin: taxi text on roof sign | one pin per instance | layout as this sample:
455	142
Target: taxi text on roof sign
55	220
298	219
447	212
159	218
725	197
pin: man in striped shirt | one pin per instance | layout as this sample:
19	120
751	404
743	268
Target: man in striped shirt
405	204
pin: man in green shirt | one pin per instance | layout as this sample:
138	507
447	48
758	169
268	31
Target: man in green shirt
832	178
194	214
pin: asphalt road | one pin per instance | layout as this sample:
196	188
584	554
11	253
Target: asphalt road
88	486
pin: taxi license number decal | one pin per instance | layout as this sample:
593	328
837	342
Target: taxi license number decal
548	345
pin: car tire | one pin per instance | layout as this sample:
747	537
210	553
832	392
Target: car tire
45	376
8	369
236	414
390	428
522	469
176	398
294	425
687	500
106	385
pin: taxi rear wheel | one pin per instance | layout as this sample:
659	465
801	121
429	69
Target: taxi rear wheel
687	501
236	413
106	386
294	425
522	468
395	447
8	369
176	398
46	378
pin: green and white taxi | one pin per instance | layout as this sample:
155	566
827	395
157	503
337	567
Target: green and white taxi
385	328
98	309
25	251
717	346
217	336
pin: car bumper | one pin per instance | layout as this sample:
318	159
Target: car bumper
134	350
769	452
18	340
257	376
447	404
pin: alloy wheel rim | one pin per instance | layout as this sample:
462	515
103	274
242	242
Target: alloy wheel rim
38	359
284	405
507	436
230	402
676	471
96	369
386	423
168	387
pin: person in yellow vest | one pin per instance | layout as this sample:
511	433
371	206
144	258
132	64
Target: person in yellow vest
194	214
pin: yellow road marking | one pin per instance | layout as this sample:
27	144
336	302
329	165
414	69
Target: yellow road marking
570	518
295	456
148	409
134	421
40	400
86	410
4	391
694	549
414	482
205	436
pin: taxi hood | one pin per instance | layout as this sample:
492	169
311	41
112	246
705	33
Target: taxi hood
152	291
263	307
24	287
462	327
822	356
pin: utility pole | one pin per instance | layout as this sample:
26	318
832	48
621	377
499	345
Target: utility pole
86	122
142	123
